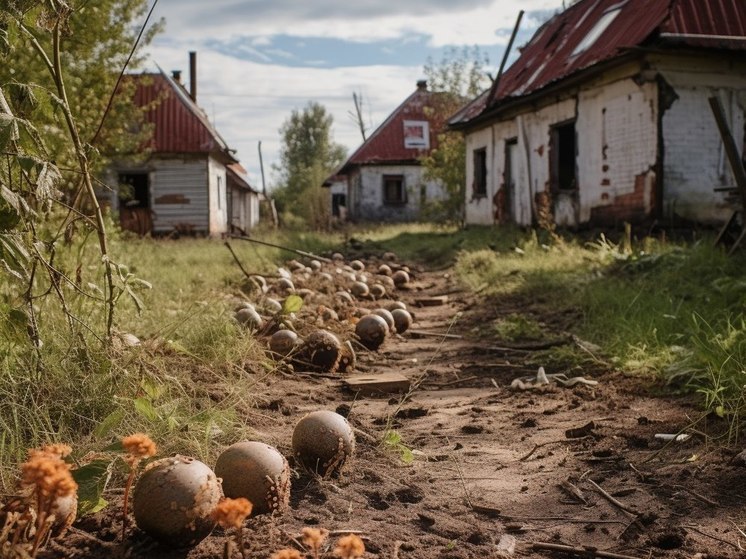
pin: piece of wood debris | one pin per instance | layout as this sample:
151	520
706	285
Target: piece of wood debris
381	383
436	301
573	492
581	551
425	334
578	432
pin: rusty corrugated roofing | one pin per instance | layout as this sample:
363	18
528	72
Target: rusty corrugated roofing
180	126
564	45
386	144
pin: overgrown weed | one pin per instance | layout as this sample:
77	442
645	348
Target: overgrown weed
672	312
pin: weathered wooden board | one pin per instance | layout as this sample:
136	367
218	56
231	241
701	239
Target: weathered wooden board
431	301
380	383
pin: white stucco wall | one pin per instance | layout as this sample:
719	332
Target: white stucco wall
695	163
218	197
366	193
619	127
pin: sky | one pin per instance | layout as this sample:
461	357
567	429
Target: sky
258	60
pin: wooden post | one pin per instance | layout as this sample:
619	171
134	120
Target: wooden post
731	149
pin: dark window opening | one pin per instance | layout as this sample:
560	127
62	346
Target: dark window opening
133	190
506	201
393	190
563	147
480	173
338	201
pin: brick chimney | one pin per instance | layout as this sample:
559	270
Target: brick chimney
176	75
422	85
193	76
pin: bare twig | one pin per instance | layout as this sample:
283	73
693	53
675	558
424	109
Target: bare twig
698	495
559	441
700	531
293	250
582	551
616	502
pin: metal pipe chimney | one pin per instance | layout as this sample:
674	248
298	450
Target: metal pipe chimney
193	75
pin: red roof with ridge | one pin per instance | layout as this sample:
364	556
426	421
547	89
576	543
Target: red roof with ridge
565	44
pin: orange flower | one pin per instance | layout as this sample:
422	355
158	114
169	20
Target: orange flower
48	475
138	446
314	538
349	547
230	513
287	554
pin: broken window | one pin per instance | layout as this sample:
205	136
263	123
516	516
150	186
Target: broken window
339	201
394	192
133	190
479	185
562	155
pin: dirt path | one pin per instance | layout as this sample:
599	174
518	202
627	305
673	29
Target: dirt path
492	466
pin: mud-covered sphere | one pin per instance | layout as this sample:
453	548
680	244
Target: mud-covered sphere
323	443
400	277
283	342
357	265
249	318
384	270
377	291
359	289
257	472
402	320
320	352
173	501
388	317
396	305
371	330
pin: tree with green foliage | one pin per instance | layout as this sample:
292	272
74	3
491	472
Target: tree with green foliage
456	79
60	63
96	41
307	157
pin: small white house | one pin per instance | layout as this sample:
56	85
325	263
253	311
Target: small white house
604	117
383	180
191	182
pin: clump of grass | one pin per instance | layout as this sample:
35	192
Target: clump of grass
313	539
514	327
349	547
656	309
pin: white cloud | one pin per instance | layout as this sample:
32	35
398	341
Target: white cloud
446	22
249	102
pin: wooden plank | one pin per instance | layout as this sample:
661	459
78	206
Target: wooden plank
425	334
731	149
381	383
431	301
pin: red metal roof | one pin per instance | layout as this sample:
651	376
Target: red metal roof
180	125
386	144
561	47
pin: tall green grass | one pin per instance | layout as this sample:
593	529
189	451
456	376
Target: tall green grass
186	384
674	312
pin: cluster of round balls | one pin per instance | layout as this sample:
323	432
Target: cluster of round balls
174	497
335	291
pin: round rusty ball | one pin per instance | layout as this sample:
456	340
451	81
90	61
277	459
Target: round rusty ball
402	320
323	443
257	472
173	501
388	317
371	330
320	352
400	277
283	342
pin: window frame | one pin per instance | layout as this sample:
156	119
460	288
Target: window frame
401	200
479	182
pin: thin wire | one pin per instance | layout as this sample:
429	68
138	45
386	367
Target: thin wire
121	74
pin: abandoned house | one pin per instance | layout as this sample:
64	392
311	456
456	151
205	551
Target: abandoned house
192	182
383	180
604	117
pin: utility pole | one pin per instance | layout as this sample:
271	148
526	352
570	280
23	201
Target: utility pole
358	116
273	209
